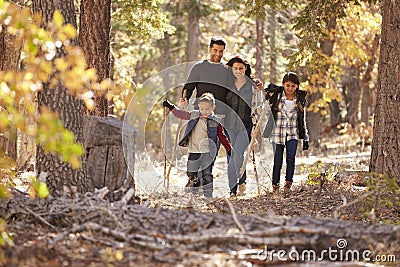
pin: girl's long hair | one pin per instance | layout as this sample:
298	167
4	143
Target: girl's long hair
294	78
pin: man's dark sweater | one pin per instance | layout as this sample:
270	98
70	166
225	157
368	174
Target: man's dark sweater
208	77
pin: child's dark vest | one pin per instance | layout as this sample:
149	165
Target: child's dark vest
276	96
212	131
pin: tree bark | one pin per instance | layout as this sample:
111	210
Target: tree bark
273	72
9	61
193	44
260	50
366	97
314	119
334	111
58	173
94	39
385	156
352	89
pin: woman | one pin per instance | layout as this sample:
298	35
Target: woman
242	98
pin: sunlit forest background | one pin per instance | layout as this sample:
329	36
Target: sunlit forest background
336	59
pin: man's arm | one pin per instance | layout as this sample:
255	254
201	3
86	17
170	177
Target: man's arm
190	84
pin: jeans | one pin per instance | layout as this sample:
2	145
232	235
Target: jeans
201	163
291	148
240	141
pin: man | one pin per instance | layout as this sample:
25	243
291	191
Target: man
209	75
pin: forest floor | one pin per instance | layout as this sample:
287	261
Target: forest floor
164	230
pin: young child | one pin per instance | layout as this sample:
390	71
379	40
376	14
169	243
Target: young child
202	136
286	125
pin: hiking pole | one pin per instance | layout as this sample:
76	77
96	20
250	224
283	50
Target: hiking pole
175	143
165	144
251	147
255	170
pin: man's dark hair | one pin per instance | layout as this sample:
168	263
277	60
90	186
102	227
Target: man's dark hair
218	40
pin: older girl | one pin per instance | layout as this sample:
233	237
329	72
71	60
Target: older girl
286	125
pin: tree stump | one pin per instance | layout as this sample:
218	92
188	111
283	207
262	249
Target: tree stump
107	165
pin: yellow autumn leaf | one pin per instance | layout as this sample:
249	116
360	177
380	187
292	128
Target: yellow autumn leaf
89	75
62	36
46	67
58	19
61	65
70	31
28	76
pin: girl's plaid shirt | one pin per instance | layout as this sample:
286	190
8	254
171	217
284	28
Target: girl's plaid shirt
285	124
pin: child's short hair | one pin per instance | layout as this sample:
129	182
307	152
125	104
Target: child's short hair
207	97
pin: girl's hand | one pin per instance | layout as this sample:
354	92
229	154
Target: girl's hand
259	84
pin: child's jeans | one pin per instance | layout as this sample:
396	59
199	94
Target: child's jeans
291	148
201	162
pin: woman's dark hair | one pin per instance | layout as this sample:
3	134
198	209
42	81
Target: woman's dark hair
218	40
239	59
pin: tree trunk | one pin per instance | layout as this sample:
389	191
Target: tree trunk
260	50
385	156
352	90
107	164
334	112
273	72
314	119
9	61
58	173
94	39
366	103
192	48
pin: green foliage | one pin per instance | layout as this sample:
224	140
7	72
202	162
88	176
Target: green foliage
136	25
384	195
141	19
54	138
18	88
319	173
4	192
5	237
257	8
38	189
112	256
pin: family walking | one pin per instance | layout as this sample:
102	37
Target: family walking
228	98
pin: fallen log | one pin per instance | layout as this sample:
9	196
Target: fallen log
160	228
